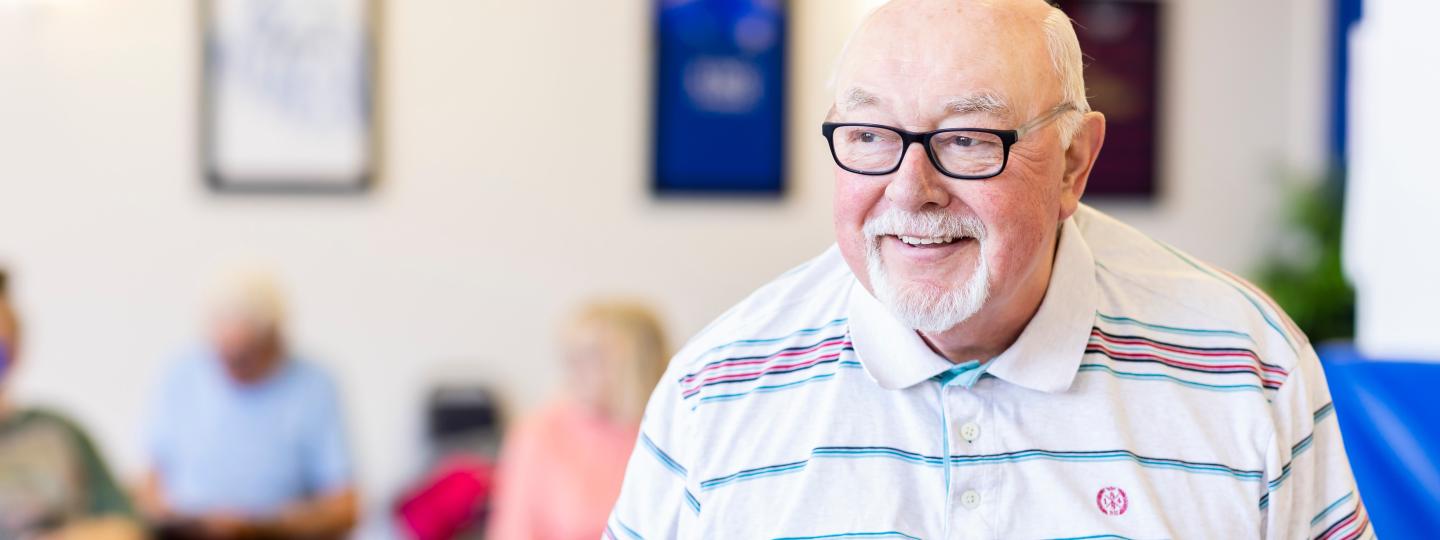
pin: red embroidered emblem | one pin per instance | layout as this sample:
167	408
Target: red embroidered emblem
1112	501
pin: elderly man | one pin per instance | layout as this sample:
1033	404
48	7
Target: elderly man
981	356
246	441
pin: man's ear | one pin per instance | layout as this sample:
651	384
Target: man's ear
1079	159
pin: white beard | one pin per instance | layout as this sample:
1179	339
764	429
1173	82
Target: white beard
921	307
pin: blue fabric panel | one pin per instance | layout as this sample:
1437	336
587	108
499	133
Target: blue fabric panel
1389	413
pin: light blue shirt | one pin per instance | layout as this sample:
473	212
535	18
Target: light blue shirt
219	446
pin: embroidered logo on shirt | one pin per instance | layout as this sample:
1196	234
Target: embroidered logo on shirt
1112	501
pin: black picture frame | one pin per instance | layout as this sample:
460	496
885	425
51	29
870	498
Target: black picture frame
1123	42
212	117
718	124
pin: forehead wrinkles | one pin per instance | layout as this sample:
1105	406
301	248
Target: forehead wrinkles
914	92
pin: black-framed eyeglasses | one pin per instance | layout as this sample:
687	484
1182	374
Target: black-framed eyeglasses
961	153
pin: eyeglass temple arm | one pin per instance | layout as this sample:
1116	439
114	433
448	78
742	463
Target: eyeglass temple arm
1042	119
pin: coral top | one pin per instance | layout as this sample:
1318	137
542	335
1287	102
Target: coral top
559	474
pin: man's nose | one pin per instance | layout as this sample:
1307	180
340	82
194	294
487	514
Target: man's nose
917	184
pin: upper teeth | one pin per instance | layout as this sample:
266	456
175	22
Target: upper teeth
917	240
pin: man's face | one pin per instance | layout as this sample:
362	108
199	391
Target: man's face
247	350
930	65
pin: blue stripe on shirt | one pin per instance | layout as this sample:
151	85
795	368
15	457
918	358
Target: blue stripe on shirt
662	456
886	534
1167	378
1299	448
1265	315
862	452
1112	319
797	333
692	502
777	387
1331	508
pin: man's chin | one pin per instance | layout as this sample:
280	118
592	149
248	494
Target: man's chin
931	316
919	293
909	281
928	303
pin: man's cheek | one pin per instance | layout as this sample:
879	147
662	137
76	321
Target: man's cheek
850	210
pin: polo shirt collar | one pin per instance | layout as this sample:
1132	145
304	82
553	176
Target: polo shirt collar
1045	357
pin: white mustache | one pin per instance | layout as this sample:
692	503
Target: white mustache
923	224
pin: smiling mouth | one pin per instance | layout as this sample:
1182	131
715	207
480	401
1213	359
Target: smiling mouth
930	241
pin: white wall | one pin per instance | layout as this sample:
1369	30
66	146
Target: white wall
1393	185
478	239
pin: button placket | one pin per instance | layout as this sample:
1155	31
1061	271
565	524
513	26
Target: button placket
974	503
968	481
990	481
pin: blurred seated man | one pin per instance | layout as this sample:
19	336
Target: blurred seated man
247	441
52	481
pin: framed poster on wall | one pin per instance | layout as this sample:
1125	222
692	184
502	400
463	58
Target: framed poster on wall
1121	40
719	97
287	102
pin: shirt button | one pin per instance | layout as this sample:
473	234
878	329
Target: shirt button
970	499
970	431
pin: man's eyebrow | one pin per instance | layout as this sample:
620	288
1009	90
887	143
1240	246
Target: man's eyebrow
984	102
857	97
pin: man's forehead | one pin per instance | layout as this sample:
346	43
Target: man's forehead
938	51
975	102
931	20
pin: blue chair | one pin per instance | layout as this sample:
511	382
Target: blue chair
1389	412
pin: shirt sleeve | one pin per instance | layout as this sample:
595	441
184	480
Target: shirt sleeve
658	499
160	419
1311	492
327	457
104	496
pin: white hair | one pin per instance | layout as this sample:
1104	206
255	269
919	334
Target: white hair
250	295
1065	58
1069	66
921	307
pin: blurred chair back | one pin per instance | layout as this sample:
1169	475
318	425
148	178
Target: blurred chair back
462	419
1389	412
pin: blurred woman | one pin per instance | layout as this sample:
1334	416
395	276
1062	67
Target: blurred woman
53	483
560	469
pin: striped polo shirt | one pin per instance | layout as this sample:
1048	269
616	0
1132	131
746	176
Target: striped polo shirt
1151	396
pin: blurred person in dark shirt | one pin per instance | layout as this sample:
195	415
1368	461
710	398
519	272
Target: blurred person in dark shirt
245	439
53	483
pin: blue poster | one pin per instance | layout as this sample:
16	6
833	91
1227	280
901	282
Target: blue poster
720	97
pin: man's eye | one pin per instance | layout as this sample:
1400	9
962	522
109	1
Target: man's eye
867	136
968	143
963	141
